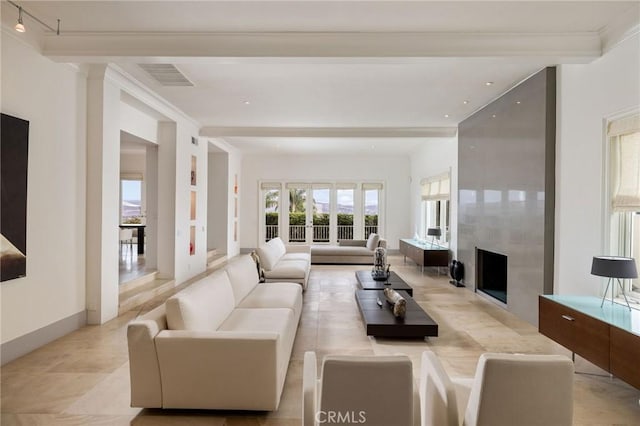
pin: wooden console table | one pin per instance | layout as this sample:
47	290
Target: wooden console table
424	254
609	337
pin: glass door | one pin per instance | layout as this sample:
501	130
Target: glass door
298	223
271	207
320	211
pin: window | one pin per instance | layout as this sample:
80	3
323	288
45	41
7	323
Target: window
271	208
320	212
371	194
346	204
624	187
435	207
131	201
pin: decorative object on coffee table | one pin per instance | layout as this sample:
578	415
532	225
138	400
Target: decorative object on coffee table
398	302
614	267
456	269
380	271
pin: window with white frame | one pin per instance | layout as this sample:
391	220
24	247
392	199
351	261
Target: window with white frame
435	193
131	199
624	179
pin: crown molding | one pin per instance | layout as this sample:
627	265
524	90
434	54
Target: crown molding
330	132
111	47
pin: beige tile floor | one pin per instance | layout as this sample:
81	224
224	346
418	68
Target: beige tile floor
82	378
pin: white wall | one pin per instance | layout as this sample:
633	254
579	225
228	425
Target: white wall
53	98
433	157
392	170
587	96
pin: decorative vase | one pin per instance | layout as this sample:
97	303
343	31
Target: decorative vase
380	270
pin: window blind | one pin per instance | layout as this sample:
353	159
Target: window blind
271	185
625	167
371	185
436	187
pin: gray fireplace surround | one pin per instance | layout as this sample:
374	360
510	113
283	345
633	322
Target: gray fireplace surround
506	166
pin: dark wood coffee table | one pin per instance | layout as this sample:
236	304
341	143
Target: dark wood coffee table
366	282
380	321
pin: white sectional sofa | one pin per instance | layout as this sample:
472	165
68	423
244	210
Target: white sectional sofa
222	343
280	262
348	251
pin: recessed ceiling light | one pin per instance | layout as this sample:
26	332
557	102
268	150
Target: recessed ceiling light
465	102
446	116
493	116
518	102
247	102
488	83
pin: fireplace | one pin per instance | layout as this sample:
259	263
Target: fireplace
491	274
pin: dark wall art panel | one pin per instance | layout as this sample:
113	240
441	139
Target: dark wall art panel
14	149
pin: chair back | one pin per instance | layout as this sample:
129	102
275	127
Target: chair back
517	389
126	234
371	390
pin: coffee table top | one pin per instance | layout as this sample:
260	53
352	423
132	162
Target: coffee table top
366	282
381	322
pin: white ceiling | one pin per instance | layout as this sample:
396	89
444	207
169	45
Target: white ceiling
332	76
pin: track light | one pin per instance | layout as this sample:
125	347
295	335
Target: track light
20	25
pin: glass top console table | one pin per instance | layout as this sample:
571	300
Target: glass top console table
424	254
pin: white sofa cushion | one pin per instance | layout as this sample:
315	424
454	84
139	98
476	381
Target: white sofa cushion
243	276
288	269
345	251
203	306
297	256
271	253
372	241
280	321
275	295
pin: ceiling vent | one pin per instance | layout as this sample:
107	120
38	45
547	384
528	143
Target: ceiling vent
166	74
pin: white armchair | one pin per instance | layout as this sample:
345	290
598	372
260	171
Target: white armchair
507	390
369	390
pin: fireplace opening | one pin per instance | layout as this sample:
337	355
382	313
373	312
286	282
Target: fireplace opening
491	274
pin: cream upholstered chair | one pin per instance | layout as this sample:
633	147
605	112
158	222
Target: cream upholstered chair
508	389
126	238
368	390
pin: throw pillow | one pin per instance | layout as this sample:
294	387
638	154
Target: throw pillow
256	259
372	241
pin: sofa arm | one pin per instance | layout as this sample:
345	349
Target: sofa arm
352	243
219	369
144	371
295	248
309	389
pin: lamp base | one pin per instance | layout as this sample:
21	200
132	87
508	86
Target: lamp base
612	296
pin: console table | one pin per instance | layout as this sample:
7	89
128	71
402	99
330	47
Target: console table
424	254
609	337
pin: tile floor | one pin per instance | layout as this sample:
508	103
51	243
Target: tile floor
82	378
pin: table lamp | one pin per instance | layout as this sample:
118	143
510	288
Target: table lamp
434	232
614	267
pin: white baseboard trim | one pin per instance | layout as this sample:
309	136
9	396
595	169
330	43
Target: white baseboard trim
24	344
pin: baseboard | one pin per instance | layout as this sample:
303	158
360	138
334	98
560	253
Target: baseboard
24	344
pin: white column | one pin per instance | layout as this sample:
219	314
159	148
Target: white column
167	231
151	184
103	189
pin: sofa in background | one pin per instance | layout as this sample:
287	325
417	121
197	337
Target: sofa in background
280	262
348	251
224	342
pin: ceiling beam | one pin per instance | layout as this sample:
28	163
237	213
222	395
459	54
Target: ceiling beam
331	132
173	47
